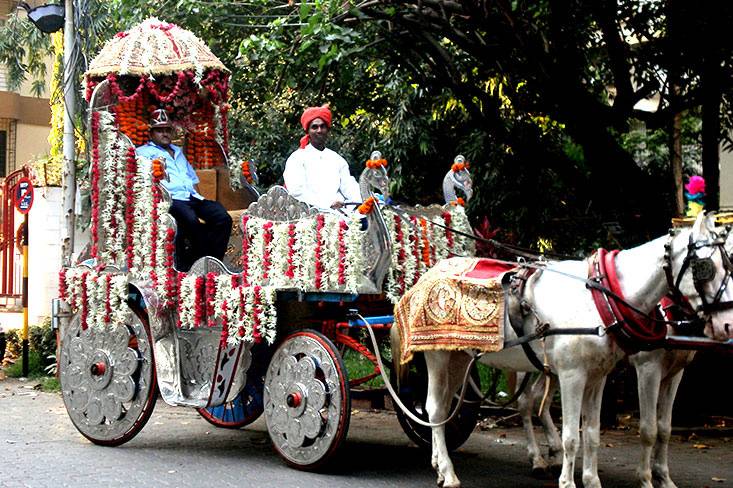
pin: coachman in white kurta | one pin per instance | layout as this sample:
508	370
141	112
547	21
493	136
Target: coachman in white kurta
315	174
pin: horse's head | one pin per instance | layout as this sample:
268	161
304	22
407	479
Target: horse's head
374	176
701	270
458	178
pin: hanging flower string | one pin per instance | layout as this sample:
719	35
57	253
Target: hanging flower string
343	227
245	251
320	219
171	279
95	184
199	292
209	298
267	254
129	208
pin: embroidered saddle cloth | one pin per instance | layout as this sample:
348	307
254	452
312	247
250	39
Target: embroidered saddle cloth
458	304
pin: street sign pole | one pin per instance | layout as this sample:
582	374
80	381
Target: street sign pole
23	203
25	296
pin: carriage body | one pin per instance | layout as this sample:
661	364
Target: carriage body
223	337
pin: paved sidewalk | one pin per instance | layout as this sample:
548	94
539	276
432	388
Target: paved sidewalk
39	447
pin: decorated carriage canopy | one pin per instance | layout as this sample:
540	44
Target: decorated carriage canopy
160	65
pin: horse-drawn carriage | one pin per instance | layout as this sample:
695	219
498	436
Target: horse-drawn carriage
262	331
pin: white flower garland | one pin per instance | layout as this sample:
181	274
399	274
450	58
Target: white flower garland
142	187
243	324
112	166
413	266
100	300
355	259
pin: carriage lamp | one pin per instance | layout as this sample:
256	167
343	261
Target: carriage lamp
48	18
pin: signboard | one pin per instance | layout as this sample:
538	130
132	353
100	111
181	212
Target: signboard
24	195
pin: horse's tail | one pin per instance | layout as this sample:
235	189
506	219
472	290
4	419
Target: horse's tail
400	370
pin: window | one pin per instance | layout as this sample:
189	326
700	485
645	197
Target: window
7	147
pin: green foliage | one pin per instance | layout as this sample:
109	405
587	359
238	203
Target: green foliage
41	345
23	52
527	100
35	366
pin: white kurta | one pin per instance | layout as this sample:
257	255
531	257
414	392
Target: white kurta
320	178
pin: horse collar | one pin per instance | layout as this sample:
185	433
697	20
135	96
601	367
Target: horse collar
632	329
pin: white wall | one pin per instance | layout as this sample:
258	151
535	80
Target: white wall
44	253
726	179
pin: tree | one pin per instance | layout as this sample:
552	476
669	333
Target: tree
539	95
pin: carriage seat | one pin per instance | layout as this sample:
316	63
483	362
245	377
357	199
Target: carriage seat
214	185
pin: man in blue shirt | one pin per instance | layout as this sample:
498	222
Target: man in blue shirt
209	238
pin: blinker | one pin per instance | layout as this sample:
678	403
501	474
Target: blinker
703	269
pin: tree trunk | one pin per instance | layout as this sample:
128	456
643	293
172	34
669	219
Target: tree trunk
69	172
675	155
712	98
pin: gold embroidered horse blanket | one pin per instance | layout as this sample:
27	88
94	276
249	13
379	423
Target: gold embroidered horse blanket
458	304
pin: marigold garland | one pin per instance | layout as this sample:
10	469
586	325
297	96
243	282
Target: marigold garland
458	202
457	167
376	163
367	207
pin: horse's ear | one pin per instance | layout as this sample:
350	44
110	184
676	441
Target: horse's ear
700	227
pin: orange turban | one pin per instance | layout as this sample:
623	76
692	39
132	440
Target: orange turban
309	115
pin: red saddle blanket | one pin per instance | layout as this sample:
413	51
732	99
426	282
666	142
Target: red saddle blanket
456	305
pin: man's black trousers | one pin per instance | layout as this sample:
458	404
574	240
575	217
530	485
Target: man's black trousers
195	239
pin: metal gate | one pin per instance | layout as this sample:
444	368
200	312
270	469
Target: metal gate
11	259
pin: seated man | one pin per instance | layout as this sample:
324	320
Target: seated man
315	174
188	206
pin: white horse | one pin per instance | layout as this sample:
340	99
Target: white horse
658	373
582	362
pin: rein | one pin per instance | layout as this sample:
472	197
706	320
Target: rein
517	250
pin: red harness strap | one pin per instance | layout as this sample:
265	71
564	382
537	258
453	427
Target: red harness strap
633	331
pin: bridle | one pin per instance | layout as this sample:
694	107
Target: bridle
703	271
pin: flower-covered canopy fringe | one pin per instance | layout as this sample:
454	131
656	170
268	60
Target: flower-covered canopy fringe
152	48
160	65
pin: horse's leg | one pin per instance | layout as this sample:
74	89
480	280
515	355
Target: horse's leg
592	430
572	385
667	392
441	386
525	405
553	436
649	375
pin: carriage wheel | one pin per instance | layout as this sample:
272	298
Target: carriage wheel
414	394
307	401
243	410
108	378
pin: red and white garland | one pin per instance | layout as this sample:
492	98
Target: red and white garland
321	253
112	167
246	313
418	245
99	297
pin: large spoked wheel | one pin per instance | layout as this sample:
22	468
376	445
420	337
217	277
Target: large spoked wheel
414	395
243	410
108	379
307	401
